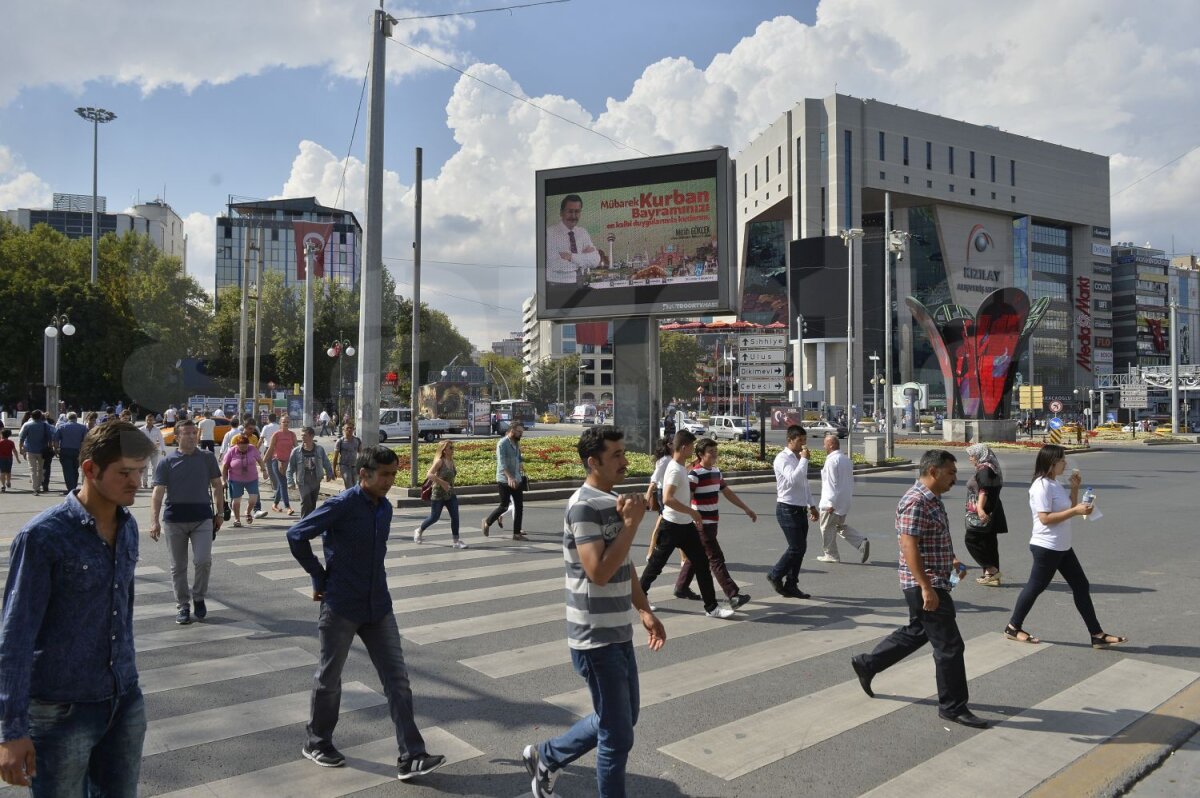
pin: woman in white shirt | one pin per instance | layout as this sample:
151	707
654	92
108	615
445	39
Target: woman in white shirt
1053	507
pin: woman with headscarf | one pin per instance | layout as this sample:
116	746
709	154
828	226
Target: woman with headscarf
985	512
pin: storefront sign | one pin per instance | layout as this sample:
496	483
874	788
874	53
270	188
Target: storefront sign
1083	320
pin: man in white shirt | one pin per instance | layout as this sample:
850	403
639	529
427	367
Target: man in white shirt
267	431
837	488
680	528
208	429
160	449
794	508
570	253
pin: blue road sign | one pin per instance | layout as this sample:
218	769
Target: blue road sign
1055	423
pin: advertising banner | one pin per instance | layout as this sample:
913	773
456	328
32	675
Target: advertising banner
976	250
648	236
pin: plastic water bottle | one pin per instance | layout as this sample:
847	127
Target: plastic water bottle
1089	496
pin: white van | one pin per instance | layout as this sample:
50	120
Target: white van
732	428
583	414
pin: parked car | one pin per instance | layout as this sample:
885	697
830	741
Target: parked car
822	428
733	428
694	426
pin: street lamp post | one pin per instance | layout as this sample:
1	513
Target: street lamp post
894	245
848	236
874	358
58	323
340	349
97	116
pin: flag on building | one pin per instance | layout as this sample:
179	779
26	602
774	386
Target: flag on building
317	233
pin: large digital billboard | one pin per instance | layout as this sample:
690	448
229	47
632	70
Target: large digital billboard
644	237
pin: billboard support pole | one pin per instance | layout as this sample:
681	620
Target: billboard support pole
413	428
635	388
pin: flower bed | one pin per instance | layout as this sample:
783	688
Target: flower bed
554	458
1035	443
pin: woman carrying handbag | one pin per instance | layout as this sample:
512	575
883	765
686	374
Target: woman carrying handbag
441	475
985	512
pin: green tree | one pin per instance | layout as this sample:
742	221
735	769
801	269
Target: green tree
507	374
553	380
678	356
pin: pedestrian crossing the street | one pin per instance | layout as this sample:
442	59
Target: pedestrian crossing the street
493	616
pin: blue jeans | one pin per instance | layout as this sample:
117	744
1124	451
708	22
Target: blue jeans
70	468
278	473
612	678
435	512
88	748
793	520
382	640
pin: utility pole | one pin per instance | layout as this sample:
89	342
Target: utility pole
310	259
889	441
258	325
370	284
414	387
242	322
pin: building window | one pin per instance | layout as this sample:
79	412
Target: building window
746	186
779	160
993	172
929	155
767	168
993	195
972	159
928	184
951	188
1012	172
906	180
756	177
972	192
881	147
823	208
950	152
906	150
1014	199
883	175
824	146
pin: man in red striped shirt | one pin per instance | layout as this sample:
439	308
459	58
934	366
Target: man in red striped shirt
707	488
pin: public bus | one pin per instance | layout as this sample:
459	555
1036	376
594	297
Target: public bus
521	410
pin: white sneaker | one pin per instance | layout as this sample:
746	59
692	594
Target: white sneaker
721	612
417	535
460	544
260	514
827	558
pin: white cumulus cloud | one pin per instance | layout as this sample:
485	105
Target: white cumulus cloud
20	188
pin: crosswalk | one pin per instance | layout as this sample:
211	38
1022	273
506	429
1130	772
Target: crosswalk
494	613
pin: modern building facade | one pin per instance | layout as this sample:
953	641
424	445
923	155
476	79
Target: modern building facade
983	209
513	346
1141	295
72	216
271	222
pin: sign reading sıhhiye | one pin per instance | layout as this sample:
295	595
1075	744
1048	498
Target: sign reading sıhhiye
640	237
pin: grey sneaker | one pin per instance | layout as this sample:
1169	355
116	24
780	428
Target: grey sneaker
866	551
419	765
543	777
738	599
326	756
183	617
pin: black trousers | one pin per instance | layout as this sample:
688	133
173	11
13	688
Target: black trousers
517	497
673	536
1045	563
940	630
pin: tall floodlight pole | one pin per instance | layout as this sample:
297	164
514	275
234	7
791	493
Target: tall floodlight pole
1174	367
310	259
258	326
414	385
242	321
97	116
848	237
894	245
370	282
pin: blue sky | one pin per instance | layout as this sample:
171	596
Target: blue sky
258	99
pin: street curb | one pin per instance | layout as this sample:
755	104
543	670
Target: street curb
1113	767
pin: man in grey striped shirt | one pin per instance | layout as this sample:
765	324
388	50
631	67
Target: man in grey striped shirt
603	594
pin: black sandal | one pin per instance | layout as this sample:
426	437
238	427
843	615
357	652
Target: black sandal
1014	633
1105	640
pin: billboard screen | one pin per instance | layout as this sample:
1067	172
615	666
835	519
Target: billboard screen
649	236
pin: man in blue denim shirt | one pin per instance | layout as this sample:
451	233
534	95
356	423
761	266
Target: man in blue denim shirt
72	718
352	589
510	480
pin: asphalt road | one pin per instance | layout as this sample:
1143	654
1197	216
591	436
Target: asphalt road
484	643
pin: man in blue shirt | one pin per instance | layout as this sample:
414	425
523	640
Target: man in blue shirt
352	589
72	720
36	441
68	437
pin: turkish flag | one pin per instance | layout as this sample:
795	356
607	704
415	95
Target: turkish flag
592	333
318	233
